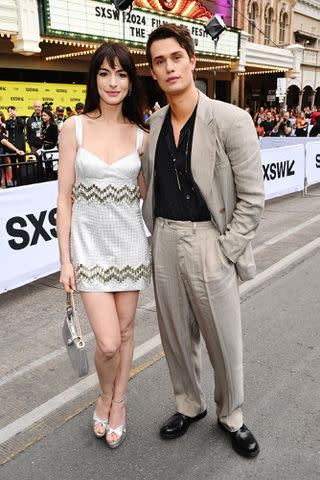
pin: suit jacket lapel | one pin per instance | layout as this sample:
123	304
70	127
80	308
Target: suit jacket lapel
203	152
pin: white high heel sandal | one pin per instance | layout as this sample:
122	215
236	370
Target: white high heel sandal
120	431
98	421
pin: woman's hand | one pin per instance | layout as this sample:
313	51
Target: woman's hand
67	277
20	152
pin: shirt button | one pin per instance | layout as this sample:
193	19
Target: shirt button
188	197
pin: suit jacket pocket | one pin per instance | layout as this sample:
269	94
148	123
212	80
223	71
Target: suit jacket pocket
245	265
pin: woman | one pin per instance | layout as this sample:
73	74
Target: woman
109	258
301	125
259	128
6	146
49	130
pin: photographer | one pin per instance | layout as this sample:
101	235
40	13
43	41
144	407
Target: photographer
284	127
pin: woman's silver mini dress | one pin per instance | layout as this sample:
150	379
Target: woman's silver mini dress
109	248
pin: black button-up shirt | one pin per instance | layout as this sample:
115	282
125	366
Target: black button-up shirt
177	197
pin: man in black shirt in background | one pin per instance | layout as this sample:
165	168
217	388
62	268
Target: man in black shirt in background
268	124
34	124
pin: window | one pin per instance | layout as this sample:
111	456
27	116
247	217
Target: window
268	25
253	14
283	23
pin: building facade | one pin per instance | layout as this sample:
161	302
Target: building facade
304	89
50	43
268	26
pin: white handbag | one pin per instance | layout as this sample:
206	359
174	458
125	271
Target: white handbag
73	338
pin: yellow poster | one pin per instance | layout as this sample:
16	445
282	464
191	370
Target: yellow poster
23	94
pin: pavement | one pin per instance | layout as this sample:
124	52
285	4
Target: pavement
45	418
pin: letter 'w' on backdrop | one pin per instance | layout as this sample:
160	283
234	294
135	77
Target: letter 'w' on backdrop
283	170
28	237
313	163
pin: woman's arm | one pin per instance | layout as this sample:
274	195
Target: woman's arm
66	178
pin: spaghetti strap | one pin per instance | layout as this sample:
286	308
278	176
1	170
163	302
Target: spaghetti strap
78	124
139	138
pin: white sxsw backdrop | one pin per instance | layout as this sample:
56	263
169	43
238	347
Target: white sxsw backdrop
313	163
30	211
284	170
23	265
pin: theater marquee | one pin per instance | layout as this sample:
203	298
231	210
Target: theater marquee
99	20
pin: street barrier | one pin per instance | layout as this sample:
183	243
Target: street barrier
28	238
28	168
283	170
276	142
312	163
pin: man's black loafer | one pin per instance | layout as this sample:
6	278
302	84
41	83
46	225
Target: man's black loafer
243	441
178	424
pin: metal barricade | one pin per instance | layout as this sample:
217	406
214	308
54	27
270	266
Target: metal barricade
16	170
50	160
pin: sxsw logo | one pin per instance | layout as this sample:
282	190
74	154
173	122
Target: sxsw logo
21	238
273	171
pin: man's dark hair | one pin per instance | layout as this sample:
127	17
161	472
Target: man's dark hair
170	30
11	107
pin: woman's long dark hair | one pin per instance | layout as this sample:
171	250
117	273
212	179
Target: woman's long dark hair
132	107
49	112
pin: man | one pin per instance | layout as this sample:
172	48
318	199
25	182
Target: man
34	124
15	128
79	108
59	117
284	127
268	124
203	203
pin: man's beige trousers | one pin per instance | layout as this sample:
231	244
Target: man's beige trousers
196	290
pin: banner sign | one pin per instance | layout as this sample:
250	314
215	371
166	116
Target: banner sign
313	163
283	170
100	20
23	94
28	237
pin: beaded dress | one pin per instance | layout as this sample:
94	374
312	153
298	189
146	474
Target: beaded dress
109	248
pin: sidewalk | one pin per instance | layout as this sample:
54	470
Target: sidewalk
281	356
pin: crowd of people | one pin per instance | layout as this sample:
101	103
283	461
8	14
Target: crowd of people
273	122
40	132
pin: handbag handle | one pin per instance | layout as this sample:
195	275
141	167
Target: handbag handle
72	309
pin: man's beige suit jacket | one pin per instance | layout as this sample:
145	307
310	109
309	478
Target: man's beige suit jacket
226	165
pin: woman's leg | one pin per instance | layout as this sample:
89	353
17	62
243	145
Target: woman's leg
126	304
103	317
8	170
